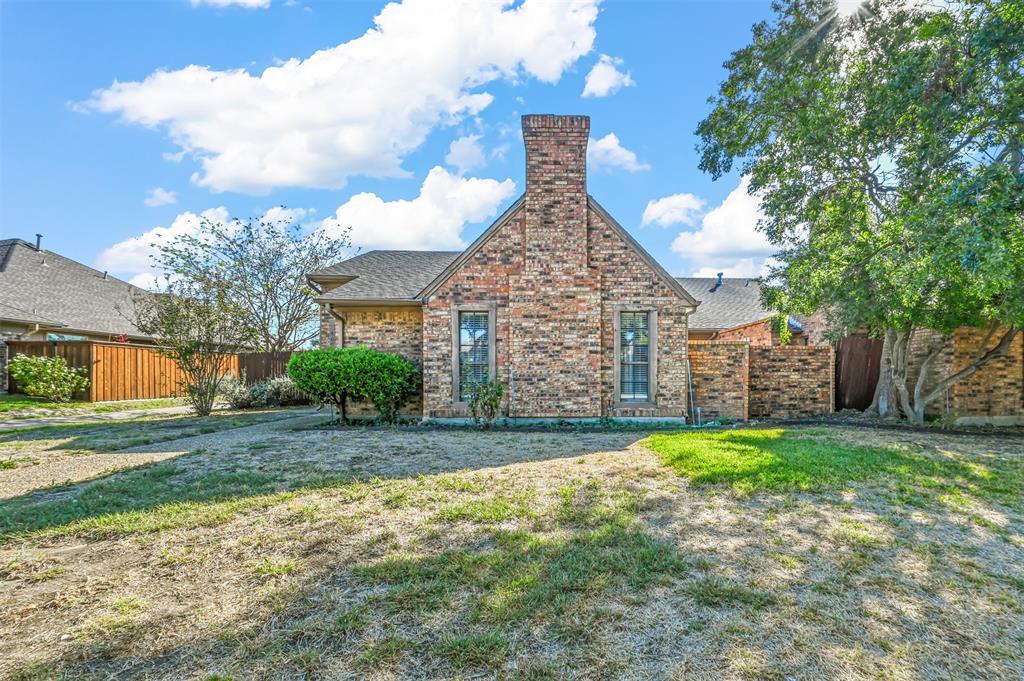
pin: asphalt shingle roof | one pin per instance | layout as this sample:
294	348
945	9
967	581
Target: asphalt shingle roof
391	275
47	288
736	302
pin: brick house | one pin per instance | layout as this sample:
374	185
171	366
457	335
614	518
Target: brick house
555	299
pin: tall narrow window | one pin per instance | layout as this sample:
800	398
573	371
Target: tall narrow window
634	356
474	351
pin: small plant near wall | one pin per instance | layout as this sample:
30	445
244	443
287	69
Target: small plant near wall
48	377
780	327
485	402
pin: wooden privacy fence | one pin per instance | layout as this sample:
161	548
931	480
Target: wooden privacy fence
858	359
260	366
116	371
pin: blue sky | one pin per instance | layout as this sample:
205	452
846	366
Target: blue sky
224	111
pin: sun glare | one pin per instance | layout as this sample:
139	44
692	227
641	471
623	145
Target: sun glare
848	8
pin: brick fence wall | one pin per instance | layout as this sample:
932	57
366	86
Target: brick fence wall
737	380
720	379
791	381
3	366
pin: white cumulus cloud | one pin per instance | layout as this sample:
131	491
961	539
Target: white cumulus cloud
465	154
728	240
432	220
608	153
359	107
158	196
248	4
677	209
605	78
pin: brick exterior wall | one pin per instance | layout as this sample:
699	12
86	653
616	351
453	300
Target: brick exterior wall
626	280
721	379
997	389
791	381
487	277
555	299
758	333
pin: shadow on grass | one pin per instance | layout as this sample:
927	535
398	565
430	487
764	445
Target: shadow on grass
211	487
779	460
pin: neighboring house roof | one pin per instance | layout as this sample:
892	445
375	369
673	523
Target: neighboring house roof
41	287
384	275
735	303
411	276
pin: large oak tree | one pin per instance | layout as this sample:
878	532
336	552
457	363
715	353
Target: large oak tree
886	146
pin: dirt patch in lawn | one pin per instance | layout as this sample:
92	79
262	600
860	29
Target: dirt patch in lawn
378	554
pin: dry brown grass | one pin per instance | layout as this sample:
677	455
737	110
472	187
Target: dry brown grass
439	554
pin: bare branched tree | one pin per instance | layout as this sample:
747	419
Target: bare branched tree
261	266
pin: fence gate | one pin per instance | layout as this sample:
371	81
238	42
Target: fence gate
858	359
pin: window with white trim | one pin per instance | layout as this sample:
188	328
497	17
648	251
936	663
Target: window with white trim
634	356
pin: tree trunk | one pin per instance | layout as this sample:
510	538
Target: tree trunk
884	401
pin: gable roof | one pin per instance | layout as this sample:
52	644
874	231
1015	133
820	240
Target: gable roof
735	303
383	275
592	203
41	287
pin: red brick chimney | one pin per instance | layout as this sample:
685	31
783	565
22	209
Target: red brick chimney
555	307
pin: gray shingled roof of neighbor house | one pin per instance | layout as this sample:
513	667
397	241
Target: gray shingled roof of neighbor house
736	302
46	288
385	275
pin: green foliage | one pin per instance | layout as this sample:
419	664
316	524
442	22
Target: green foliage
48	377
887	153
332	375
327	375
780	327
778	460
276	392
385	379
485	402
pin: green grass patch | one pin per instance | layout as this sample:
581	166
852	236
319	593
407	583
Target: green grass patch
781	460
16	402
496	509
720	592
464	651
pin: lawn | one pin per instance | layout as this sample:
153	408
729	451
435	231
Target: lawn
286	552
13	405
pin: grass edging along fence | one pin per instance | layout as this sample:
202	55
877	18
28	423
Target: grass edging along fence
121	371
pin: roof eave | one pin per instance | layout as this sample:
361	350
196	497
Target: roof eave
371	302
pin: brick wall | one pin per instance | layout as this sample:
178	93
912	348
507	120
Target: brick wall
626	280
791	381
555	302
485	278
720	379
997	389
758	333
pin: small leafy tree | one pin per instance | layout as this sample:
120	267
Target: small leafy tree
198	326
48	377
385	379
327	375
485	402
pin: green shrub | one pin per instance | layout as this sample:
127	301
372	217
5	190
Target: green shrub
327	375
485	402
48	377
332	375
385	379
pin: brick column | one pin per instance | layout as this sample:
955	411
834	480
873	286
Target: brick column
555	305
